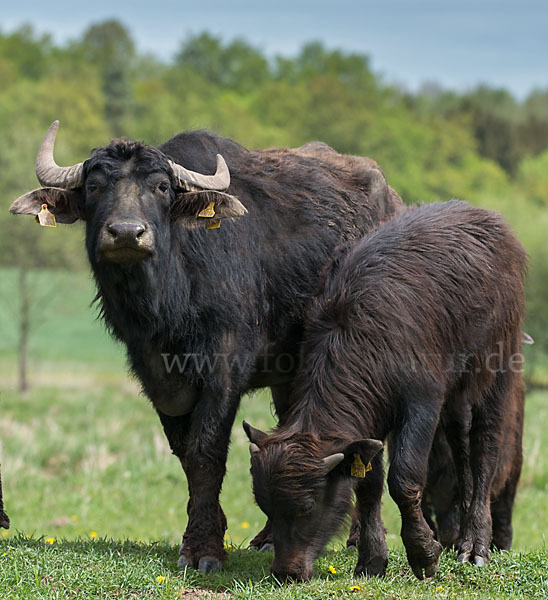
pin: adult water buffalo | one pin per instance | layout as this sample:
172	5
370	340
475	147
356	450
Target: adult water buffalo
416	325
207	313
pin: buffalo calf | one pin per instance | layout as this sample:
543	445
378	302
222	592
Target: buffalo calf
418	324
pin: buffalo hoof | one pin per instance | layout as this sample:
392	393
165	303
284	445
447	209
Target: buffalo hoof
502	538
208	564
425	563
4	520
352	542
479	556
264	547
184	562
263	538
376	567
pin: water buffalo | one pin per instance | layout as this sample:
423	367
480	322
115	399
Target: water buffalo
207	309
416	322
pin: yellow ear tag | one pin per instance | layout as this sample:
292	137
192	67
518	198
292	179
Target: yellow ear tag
214	224
358	469
45	218
208	212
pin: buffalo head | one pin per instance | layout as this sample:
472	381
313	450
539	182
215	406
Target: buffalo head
129	194
304	486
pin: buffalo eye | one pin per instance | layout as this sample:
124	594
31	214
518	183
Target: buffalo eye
163	187
306	508
91	187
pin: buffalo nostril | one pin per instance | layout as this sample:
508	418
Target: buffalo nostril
126	231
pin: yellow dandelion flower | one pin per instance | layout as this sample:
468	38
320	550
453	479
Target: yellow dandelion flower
332	569
160	578
92	534
50	540
439	588
244	525
5	533
354	588
74	518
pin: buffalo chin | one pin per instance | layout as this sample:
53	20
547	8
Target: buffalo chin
125	255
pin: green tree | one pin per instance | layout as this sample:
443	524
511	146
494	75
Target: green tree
109	46
236	65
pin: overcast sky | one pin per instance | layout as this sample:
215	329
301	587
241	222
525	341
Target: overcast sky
456	43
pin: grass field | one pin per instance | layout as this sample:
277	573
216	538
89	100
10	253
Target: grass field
86	468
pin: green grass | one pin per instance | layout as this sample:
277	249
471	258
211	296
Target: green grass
64	327
104	568
85	463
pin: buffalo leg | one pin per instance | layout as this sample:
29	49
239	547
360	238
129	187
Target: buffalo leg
501	512
280	397
457	430
200	441
4	519
373	551
502	505
263	541
407	478
476	529
353	540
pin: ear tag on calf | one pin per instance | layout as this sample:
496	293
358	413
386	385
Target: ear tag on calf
214	224
358	469
208	212
45	218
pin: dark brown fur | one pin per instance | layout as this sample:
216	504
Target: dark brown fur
403	329
4	519
441	497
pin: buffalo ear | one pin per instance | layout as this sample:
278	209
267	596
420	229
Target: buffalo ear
366	450
62	203
255	435
187	207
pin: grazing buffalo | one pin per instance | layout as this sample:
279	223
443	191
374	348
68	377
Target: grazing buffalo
418	321
4	519
206	278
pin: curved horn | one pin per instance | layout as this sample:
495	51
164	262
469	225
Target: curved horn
218	182
526	338
333	460
49	173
